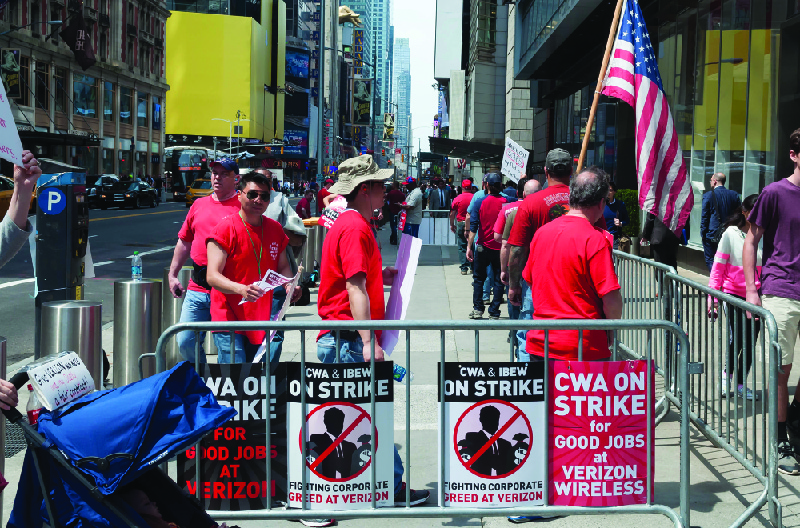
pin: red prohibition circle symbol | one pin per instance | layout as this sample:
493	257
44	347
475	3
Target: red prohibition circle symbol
480	454
333	452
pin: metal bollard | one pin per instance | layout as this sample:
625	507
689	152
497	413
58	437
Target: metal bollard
308	251
76	326
137	321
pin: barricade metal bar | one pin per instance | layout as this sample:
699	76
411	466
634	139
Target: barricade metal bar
547	411
303	413
679	519
197	447
408	417
648	384
373	439
442	426
477	346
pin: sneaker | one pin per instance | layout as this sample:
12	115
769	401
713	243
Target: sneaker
417	496
519	519
464	272
476	314
495	317
724	388
750	395
787	463
319	523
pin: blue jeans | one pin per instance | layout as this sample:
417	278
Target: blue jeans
411	229
352	351
525	314
244	350
196	308
462	247
488	284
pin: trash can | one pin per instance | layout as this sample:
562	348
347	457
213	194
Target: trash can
137	322
76	326
308	251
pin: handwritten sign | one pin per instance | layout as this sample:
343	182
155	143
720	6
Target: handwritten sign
10	144
61	380
515	159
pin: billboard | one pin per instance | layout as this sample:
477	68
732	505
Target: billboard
388	127
296	64
358	51
362	100
295	142
10	71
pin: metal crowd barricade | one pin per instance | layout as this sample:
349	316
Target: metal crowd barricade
435	229
746	429
681	518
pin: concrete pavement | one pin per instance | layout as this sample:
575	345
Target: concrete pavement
720	488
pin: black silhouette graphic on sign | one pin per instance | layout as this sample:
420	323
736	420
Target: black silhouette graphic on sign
340	459
484	451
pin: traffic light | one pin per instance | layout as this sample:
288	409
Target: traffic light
383	152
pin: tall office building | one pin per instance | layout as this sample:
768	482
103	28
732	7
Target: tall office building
381	12
402	84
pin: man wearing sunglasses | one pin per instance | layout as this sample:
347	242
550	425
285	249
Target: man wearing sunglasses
352	279
241	249
203	217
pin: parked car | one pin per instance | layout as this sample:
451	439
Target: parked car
136	194
198	189
6	190
104	183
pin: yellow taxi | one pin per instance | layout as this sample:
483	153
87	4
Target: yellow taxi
6	190
199	188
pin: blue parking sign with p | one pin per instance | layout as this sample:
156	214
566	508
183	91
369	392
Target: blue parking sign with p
52	201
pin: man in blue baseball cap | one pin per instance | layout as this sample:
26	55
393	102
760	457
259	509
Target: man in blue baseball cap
203	217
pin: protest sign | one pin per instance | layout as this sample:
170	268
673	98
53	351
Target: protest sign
232	461
271	280
10	144
598	434
339	446
277	317
400	294
332	212
515	160
496	455
61	380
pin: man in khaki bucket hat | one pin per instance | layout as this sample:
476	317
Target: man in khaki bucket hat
352	278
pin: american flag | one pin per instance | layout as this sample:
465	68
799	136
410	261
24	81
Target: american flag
632	75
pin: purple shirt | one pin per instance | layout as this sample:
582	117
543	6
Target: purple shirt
777	212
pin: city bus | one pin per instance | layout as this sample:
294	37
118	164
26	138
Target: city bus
182	166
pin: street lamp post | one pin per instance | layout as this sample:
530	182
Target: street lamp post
321	101
230	130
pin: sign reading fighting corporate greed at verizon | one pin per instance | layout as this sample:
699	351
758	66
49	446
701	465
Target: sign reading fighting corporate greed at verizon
339	445
495	448
598	434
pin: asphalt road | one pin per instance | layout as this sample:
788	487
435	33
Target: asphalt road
114	235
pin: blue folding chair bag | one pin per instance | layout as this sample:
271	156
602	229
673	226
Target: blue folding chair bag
113	436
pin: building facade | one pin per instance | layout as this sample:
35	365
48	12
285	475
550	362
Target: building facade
402	91
107	119
730	74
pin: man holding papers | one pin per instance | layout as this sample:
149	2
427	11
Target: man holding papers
241	249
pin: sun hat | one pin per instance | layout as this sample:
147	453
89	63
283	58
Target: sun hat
355	171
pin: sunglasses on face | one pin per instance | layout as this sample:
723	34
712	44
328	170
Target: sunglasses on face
251	195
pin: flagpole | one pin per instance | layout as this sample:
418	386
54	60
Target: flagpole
609	45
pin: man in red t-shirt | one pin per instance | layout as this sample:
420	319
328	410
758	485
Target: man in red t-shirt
580	281
322	194
203	217
352	278
241	249
393	199
487	250
458	216
303	208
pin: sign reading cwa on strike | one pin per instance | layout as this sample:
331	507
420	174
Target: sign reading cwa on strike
339	446
495	456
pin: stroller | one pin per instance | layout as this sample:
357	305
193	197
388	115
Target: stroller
110	441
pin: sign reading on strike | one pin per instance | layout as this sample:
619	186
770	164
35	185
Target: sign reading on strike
598	434
339	446
232	457
495	456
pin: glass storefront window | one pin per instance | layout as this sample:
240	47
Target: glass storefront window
85	157
125	104
108	101
108	161
84	95
61	89
42	86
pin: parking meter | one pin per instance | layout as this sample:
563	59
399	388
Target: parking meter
62	231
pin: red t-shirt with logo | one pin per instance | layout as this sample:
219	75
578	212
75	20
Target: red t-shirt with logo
203	217
461	204
241	265
500	223
349	248
321	196
536	210
490	209
303	206
574	271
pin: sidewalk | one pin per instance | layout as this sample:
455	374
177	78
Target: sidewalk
720	489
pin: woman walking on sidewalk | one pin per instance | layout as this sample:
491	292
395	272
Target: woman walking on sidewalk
727	275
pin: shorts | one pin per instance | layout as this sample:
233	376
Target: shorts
787	316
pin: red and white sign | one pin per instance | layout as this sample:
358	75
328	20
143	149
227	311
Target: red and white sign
598	432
